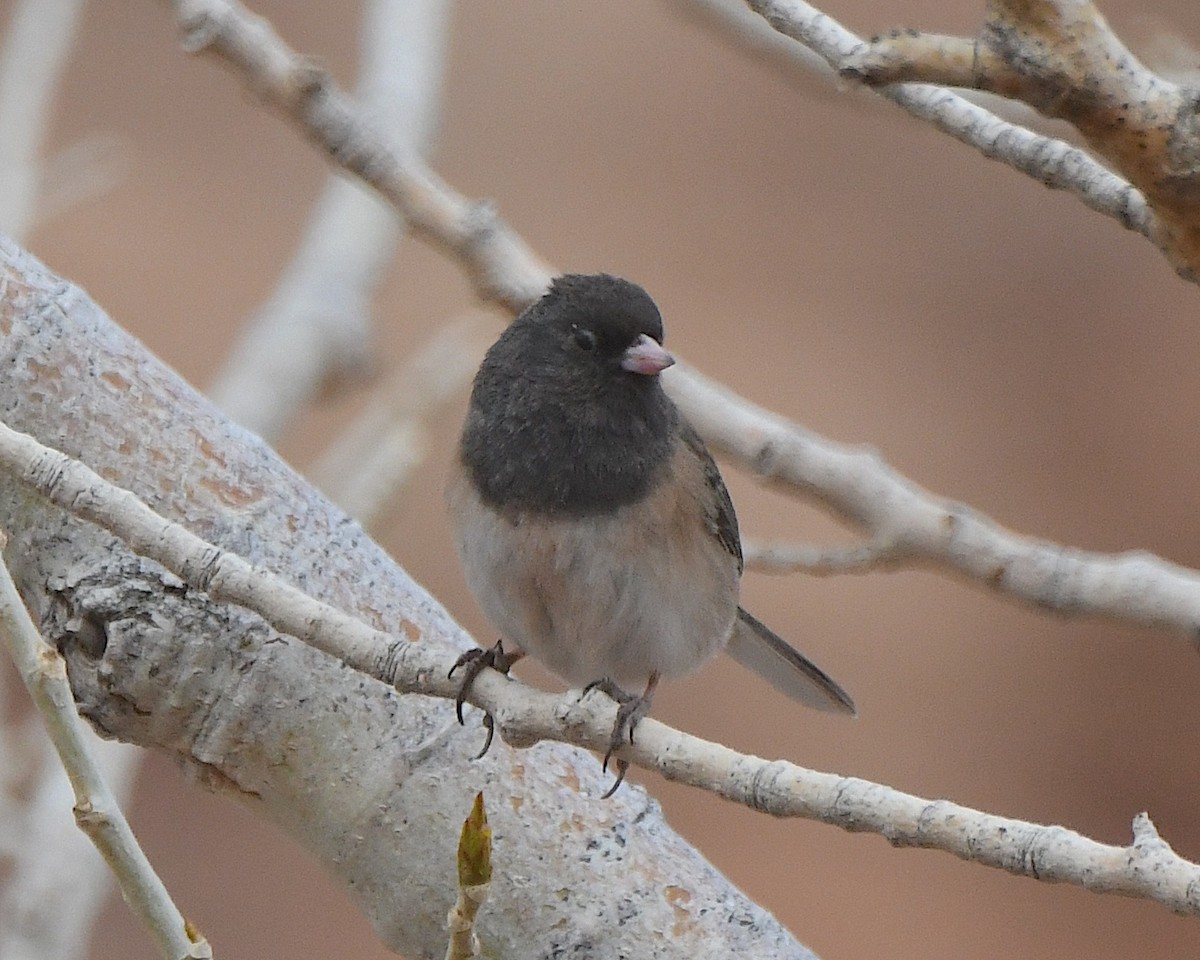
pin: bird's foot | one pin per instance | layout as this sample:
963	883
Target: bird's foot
630	710
473	663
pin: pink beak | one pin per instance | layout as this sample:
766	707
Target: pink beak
646	357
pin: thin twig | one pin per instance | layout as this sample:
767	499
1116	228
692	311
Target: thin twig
58	884
1049	161
315	328
96	810
742	29
858	485
384	444
1148	868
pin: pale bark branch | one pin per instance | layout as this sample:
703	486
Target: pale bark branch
368	780
1147	868
857	485
501	267
97	812
741	28
1052	162
1062	58
504	270
59	883
922	529
314	330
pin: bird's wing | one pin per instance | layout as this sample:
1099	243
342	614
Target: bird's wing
752	643
719	514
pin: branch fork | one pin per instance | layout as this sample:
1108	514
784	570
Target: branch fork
1062	58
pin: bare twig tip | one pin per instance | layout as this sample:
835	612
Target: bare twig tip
198	31
1144	829
310	79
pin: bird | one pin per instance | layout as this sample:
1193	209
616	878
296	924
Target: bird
593	526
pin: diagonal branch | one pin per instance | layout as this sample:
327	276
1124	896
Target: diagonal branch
920	528
1052	162
359	775
741	28
314	329
857	485
1147	868
502	268
97	812
1062	58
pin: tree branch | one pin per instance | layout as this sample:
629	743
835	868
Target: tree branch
741	28
370	782
1061	58
921	528
857	485
58	884
501	267
1147	868
314	329
1052	162
97	812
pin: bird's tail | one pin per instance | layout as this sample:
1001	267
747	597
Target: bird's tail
756	646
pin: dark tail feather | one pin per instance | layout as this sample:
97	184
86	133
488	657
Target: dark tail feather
755	646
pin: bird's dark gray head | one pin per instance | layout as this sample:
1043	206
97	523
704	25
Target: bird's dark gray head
600	327
567	411
613	311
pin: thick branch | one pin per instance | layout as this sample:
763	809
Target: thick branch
372	782
1148	868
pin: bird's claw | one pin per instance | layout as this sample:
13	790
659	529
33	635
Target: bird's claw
630	710
489	725
473	663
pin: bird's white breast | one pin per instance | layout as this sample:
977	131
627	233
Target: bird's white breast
646	589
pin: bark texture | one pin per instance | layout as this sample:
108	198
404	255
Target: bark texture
373	783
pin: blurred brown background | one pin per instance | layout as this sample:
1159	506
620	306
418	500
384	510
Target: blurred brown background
831	259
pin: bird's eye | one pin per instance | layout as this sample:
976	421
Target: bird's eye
584	339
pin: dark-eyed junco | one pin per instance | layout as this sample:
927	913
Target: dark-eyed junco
593	524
